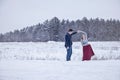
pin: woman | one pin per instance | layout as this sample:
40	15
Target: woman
87	49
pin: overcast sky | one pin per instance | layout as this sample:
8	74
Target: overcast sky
16	14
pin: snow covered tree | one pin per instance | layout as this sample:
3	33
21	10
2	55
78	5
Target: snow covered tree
55	30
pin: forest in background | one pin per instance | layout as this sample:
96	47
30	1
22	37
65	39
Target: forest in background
55	30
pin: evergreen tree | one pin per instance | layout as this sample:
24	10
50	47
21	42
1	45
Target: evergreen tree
55	30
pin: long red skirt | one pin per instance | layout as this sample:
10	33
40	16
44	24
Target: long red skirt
87	52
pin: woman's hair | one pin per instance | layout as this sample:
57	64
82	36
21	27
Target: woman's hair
83	36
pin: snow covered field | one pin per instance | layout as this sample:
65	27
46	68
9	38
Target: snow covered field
59	70
46	61
56	51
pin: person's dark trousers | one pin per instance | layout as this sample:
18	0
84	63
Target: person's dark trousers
69	53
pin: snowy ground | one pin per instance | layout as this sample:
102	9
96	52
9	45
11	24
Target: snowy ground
56	51
59	70
46	61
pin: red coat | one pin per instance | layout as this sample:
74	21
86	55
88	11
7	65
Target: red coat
87	52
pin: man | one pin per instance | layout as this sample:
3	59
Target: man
68	43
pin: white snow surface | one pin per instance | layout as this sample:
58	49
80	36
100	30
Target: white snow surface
46	61
59	70
56	51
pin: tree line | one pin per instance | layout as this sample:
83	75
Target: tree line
55	30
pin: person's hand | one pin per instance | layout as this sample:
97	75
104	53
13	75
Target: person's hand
67	48
78	31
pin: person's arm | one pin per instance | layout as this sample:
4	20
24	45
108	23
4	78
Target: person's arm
74	33
78	31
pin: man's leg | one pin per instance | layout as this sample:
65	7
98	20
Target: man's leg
69	53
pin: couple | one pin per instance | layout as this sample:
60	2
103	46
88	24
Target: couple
87	49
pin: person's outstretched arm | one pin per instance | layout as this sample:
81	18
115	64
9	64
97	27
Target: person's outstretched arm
78	31
74	33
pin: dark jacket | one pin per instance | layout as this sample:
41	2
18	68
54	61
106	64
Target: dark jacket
68	39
